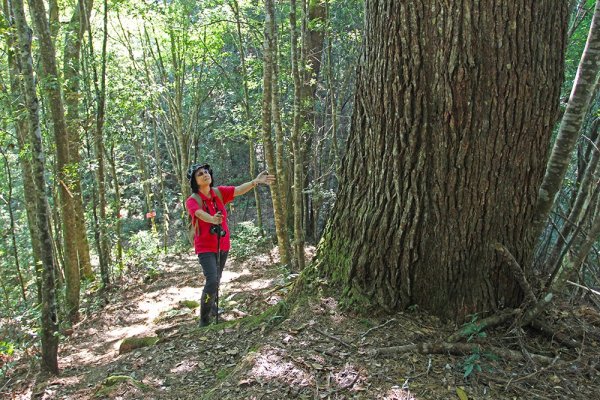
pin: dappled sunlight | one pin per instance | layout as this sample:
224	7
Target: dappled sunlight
154	303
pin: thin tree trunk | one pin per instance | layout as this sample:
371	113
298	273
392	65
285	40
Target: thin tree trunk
297	144
21	128
311	53
100	89
335	156
52	88
161	192
112	160
574	218
583	88
251	138
266	126
72	49
13	230
49	322
572	265
281	184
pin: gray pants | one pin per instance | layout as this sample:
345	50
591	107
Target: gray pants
208	261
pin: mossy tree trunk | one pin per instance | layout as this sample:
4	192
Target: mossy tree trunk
454	108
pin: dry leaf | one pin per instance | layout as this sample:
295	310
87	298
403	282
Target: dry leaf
462	395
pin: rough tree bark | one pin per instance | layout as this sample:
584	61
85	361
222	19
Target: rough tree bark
49	322
454	107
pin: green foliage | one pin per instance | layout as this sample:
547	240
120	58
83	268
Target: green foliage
475	362
6	352
6	348
472	329
247	240
143	251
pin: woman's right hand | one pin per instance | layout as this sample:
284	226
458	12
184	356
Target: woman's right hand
218	218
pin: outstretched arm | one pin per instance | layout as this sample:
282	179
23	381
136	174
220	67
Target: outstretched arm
263	178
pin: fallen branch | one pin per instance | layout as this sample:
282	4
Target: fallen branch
597	293
459	349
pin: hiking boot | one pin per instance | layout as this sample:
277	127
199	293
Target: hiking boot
214	310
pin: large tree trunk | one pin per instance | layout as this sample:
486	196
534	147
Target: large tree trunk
52	88
49	322
454	107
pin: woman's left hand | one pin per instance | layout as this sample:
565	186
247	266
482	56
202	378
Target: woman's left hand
264	178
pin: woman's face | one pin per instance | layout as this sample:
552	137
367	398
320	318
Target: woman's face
202	177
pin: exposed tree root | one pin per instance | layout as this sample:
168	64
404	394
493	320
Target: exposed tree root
547	330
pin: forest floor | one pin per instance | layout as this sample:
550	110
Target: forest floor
312	350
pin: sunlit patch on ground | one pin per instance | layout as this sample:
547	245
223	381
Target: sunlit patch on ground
272	364
397	393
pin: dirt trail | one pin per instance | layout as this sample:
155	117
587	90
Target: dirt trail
309	350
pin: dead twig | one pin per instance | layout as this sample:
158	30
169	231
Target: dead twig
532	374
334	338
377	327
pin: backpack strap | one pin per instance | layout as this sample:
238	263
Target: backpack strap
199	201
219	195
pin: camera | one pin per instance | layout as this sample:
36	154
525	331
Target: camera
217	230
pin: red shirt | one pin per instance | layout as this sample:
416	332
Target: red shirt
204	241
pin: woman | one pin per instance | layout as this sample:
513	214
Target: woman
207	208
